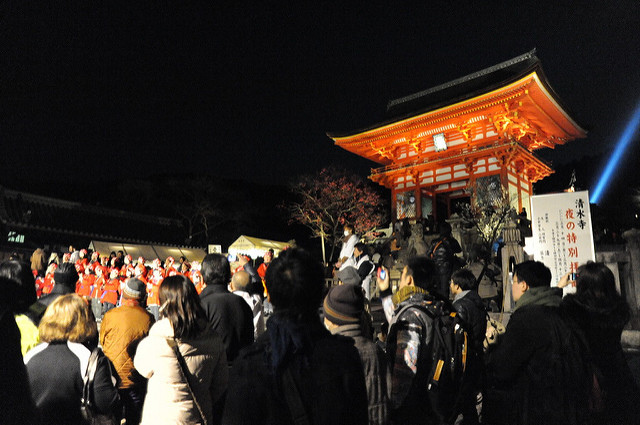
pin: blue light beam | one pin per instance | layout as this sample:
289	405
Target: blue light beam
621	147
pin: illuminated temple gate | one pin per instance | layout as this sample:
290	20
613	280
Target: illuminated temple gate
474	136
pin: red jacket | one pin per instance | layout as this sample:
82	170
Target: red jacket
83	287
98	284
110	292
47	285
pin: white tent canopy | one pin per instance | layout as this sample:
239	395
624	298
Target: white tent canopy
255	247
149	252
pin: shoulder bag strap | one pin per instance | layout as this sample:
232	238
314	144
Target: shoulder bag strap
292	395
183	372
88	378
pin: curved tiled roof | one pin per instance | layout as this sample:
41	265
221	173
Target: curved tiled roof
26	211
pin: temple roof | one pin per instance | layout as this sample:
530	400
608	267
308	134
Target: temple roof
20	210
459	90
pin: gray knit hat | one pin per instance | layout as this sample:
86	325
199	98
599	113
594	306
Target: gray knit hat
344	304
135	288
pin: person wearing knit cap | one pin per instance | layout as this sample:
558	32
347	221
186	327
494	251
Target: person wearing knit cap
121	329
343	309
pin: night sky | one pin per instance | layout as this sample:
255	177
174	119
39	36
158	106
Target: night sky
106	91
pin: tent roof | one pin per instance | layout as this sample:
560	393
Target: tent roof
149	252
247	242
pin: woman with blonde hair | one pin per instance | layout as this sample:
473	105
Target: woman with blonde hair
56	366
184	360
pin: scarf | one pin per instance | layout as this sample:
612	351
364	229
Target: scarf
405	293
542	295
288	339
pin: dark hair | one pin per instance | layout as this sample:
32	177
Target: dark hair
445	229
215	270
478	252
295	283
464	279
424	273
181	305
361	247
596	285
535	273
18	289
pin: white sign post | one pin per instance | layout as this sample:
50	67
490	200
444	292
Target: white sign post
562	232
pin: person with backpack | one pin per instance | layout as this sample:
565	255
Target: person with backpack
470	308
425	383
443	252
539	373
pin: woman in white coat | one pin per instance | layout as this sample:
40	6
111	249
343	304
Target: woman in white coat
170	399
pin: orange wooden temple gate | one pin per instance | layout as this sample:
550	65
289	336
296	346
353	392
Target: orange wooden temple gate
474	135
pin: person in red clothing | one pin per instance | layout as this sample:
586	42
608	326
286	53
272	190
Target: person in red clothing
169	269
96	291
39	284
196	278
95	259
85	282
110	292
83	261
153	290
47	284
141	265
262	268
113	264
126	271
140	272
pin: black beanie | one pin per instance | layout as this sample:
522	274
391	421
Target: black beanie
344	304
66	275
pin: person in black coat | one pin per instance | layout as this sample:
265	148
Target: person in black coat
599	313
538	374
469	305
16	406
296	369
65	278
228	314
443	251
57	365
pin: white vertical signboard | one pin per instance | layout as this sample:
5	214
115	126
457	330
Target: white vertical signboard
562	232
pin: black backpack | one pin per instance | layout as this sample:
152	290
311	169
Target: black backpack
447	354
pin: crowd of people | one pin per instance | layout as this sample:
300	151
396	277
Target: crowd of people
223	341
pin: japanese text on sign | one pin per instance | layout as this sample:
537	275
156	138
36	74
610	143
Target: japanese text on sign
562	231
